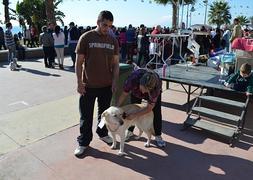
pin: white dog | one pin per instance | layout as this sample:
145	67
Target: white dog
117	124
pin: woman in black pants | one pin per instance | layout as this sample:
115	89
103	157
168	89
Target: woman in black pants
144	84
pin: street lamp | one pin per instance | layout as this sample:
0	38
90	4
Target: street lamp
182	14
187	15
191	11
205	2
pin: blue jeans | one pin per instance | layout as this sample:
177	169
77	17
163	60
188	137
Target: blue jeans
11	53
86	109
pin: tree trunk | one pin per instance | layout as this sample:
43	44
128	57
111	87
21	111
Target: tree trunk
6	11
50	11
174	16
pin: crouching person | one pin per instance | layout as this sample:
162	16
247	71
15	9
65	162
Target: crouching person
144	84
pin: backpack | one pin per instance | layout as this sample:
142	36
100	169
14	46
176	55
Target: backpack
74	33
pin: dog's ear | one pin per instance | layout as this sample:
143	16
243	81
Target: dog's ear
104	114
103	119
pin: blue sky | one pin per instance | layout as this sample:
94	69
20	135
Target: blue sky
136	12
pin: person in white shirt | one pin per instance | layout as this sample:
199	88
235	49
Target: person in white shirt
59	41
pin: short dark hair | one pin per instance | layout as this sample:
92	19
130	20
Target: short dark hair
237	20
105	15
142	26
245	68
8	24
57	29
72	24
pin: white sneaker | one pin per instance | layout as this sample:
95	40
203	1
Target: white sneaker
129	134
106	139
80	150
159	141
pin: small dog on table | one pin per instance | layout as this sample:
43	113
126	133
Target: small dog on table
117	123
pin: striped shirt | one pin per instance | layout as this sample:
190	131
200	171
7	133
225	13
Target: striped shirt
9	40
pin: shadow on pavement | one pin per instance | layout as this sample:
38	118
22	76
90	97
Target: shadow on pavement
4	64
37	72
195	136
69	69
182	107
174	106
178	162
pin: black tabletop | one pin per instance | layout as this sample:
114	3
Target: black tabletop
201	76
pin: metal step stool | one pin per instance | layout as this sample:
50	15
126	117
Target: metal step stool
215	121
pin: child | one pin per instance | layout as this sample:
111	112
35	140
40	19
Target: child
242	80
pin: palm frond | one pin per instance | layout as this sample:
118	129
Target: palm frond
59	19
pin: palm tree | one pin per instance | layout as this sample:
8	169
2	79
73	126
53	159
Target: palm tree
243	20
57	13
50	11
219	13
34	12
175	5
6	11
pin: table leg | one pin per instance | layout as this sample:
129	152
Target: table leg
167	84
188	98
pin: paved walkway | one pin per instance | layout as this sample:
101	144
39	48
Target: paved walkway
39	126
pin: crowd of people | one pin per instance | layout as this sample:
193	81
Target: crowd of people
133	42
219	38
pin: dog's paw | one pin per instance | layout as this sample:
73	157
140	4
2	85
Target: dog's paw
113	146
121	153
147	144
